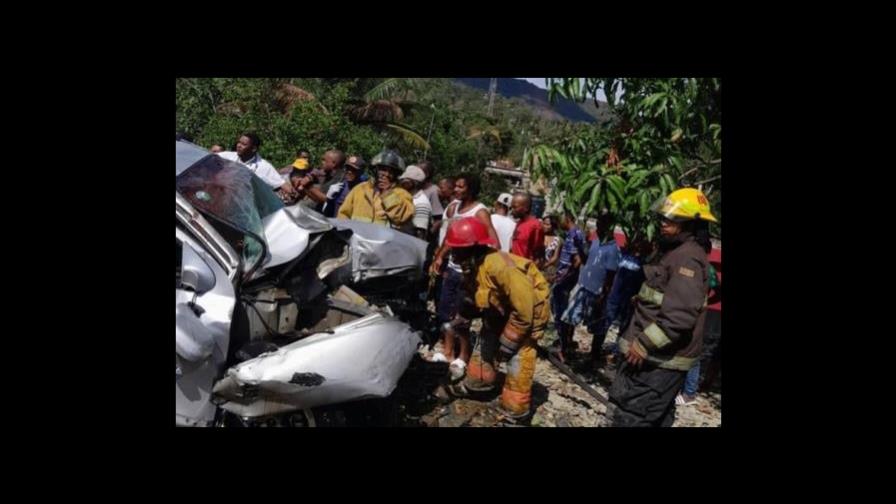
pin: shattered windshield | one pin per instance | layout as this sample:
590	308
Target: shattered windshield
231	193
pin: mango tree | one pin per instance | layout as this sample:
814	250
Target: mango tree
664	134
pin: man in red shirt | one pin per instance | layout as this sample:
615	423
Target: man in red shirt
528	238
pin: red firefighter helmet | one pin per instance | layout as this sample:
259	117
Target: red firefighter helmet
467	232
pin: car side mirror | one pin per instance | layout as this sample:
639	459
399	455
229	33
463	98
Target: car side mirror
195	272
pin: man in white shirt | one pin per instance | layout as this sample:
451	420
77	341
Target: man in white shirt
412	180
431	190
247	155
503	224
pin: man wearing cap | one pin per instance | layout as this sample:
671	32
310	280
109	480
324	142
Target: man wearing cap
301	162
380	200
412	181
503	224
302	179
354	175
528	238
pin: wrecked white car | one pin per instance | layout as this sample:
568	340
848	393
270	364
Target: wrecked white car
268	331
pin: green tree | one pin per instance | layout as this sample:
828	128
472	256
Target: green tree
288	114
383	107
665	134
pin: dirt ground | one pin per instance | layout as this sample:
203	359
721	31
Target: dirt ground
557	400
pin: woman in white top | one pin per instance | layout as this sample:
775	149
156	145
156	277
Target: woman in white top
465	204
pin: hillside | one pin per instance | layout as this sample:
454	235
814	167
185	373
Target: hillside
537	99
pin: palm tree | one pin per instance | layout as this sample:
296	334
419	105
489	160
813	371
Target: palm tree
286	95
383	107
484	132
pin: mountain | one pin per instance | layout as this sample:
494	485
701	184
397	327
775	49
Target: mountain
601	114
537	99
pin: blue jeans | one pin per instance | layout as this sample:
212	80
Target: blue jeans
559	302
711	336
560	298
692	380
617	308
581	308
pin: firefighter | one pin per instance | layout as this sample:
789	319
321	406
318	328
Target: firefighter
511	296
380	200
665	336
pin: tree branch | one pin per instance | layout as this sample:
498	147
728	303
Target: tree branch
708	180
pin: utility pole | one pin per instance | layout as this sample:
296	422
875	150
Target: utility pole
433	107
491	96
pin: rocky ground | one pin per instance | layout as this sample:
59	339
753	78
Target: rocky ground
557	399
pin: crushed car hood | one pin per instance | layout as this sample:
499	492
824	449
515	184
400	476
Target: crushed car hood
361	359
379	251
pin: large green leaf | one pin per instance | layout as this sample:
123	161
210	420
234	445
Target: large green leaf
596	197
610	86
662	108
636	179
387	89
573	88
650	100
591	165
644	200
409	135
675	161
670	182
617	186
583	188
554	89
614	201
